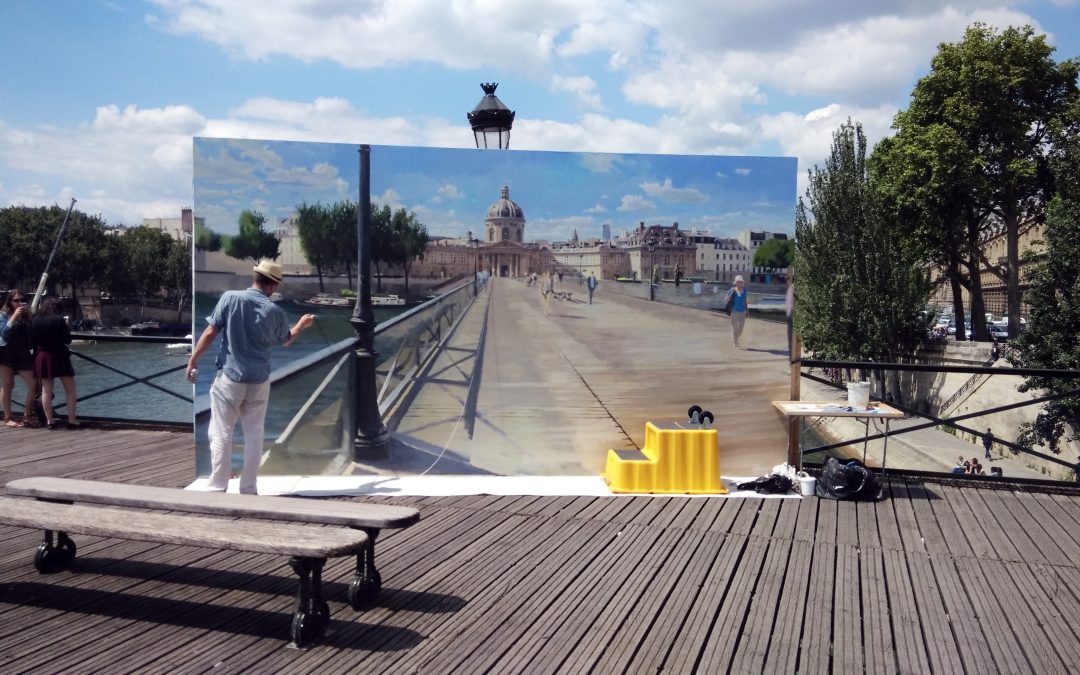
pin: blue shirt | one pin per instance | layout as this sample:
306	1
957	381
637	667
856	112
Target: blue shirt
250	326
739	305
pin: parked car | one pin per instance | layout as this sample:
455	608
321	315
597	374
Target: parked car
999	332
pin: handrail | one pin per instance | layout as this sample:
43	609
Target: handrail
952	421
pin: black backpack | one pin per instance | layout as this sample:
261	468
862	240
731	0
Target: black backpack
851	480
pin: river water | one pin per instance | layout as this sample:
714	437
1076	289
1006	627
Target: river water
141	360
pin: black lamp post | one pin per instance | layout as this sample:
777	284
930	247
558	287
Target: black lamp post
491	120
372	440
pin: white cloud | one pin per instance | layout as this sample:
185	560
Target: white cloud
635	203
583	88
448	191
743	172
670	193
599	208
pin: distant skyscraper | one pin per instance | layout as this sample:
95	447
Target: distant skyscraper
607	232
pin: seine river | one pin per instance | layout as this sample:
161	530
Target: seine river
143	402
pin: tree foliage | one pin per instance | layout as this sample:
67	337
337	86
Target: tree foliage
316	240
777	254
859	290
1054	322
973	150
205	238
253	242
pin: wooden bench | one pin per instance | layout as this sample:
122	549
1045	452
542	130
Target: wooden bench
370	518
308	546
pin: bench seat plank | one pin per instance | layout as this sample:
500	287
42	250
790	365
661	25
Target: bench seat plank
350	514
235	535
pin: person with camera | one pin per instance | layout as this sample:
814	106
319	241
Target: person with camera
16	357
52	359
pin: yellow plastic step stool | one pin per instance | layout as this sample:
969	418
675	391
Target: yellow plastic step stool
678	458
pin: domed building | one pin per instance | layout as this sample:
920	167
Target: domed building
505	220
499	248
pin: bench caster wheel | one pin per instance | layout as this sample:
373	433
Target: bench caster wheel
304	628
707	418
694	410
362	592
47	559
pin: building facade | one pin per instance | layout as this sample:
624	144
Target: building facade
180	229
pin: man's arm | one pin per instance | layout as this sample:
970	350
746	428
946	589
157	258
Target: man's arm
204	343
305	322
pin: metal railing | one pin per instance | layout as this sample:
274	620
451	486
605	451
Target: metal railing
953	422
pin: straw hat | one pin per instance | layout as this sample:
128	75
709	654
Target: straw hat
269	269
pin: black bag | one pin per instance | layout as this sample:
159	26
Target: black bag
773	484
729	303
847	481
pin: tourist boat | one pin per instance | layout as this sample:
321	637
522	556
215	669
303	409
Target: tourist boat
146	328
179	348
276	297
326	300
388	300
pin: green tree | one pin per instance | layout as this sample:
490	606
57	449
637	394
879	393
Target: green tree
177	275
777	254
145	251
1001	96
1054	322
413	238
384	243
252	242
860	289
316	239
343	228
205	238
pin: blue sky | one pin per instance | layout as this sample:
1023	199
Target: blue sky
450	189
100	99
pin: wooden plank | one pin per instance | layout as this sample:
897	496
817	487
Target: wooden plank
782	652
683	653
752	646
719	648
1026	540
934	628
815	648
966	526
275	538
1049	519
936	515
847	631
651	627
975	645
908	640
879	653
1012	640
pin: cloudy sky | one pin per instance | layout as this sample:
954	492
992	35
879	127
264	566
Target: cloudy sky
101	99
450	189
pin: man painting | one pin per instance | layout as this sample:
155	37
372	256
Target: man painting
250	325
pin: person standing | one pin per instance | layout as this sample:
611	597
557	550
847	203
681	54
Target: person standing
250	326
678	274
592	286
51	336
988	442
736	295
547	291
16	357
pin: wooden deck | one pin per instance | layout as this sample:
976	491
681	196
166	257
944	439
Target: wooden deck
938	578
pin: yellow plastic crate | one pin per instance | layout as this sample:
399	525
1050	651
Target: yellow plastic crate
678	458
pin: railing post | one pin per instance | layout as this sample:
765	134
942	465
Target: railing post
372	440
794	422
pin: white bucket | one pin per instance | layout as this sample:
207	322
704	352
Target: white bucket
858	394
807	485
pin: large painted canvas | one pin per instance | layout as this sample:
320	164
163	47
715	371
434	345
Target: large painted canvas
479	370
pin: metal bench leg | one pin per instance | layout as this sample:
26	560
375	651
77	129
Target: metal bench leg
310	612
367	582
51	557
